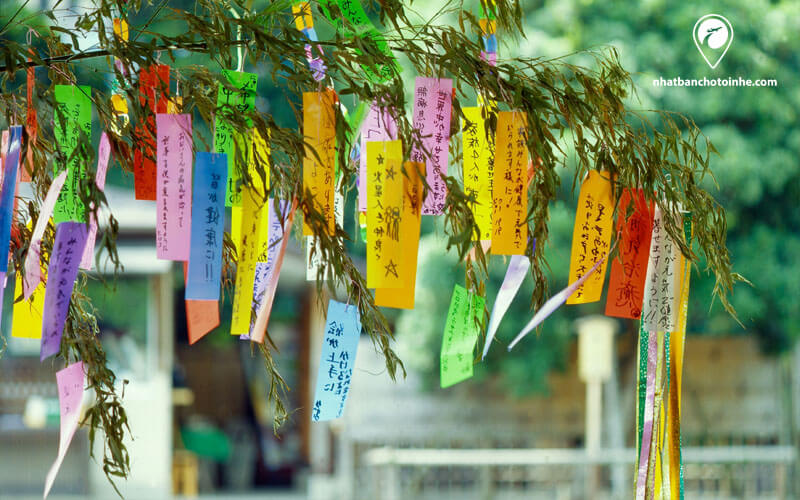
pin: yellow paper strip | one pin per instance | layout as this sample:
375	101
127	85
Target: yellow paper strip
302	13
509	193
591	236
478	168
249	251
403	298
384	213
260	157
319	128
27	314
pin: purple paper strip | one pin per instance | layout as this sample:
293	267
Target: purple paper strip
267	260
61	273
379	125
432	107
103	155
173	186
515	275
8	192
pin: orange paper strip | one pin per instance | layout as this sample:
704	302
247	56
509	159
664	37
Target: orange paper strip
628	270
403	297
153	96
202	316
509	193
591	236
319	129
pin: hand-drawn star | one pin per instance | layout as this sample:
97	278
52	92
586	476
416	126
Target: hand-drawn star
390	173
391	267
380	159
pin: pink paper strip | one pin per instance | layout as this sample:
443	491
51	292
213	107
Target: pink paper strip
103	155
70	382
515	275
557	300
33	270
173	186
432	107
259	330
649	403
379	125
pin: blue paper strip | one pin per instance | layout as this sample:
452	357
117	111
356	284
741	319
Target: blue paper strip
7	194
490	43
208	223
337	359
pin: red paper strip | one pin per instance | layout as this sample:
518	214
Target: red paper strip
154	97
629	269
31	125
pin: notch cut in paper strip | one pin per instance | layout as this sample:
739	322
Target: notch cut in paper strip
556	301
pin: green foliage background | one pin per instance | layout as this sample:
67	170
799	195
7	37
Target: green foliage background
757	176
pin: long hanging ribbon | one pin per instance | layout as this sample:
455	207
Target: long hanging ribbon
7	195
647	420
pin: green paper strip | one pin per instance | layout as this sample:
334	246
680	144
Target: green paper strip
72	119
460	336
641	386
227	139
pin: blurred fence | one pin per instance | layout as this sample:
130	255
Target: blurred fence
725	472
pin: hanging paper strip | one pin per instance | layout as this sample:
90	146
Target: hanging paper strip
302	13
659	312
208	222
32	263
269	252
626	279
515	275
174	182
379	125
153	97
362	27
61	273
556	301
678	339
313	252
27	313
259	330
31	122
237	98
8	192
202	316
319	129
403	297
460	335
509	190
384	213
249	251
591	235
478	174
432	107
103	156
70	382
337	360
73	120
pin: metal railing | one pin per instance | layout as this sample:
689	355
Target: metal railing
481	474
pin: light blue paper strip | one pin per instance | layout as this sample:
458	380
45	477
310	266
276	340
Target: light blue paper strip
337	359
208	223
